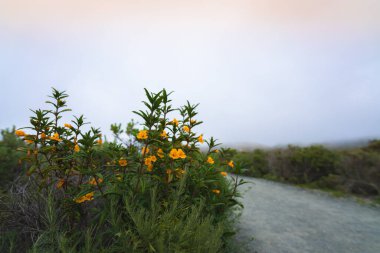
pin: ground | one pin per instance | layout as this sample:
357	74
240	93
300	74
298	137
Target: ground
284	218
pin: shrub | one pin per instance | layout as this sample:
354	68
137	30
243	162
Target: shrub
150	190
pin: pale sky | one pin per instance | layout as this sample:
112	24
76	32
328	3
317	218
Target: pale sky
267	72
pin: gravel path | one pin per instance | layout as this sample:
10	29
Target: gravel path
284	218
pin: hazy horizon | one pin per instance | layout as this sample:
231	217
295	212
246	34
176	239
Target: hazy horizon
264	72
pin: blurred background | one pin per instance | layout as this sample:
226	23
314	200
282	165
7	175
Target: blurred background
264	72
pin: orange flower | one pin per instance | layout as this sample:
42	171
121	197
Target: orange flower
186	129
68	125
150	167
175	122
153	158
144	151
210	160
93	181
231	164
29	141
87	197
216	191
100	141
224	174
60	183
200	138
164	134
123	162
177	153
20	133
76	148
160	153
43	136
142	135
55	137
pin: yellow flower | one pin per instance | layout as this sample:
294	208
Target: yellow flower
20	133
55	137
29	141
60	183
144	151
153	158
216	150
181	154
231	164
68	125
150	167
224	174
147	161
76	148
100	141
177	153
123	162
160	153
210	160
93	181
200	138
142	135
216	191
175	122
164	134
87	197
43	136
186	129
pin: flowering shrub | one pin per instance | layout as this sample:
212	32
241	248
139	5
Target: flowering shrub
114	188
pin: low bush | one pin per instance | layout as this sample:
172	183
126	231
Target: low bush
150	190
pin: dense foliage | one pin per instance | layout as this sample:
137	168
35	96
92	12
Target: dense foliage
150	190
355	170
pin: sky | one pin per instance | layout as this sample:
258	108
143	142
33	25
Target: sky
264	72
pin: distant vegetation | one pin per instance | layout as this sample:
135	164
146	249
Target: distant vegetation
351	170
150	190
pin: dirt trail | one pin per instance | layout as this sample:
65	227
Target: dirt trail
283	218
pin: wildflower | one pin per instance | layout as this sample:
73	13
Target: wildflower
231	164
186	129
175	122
224	174
55	137
216	191
210	160
123	162
147	161
200	138
60	183
144	150
76	148
86	197
100	141
142	135
150	167
93	181
68	125
43	136
160	153
20	133
163	134
29	141
153	158
177	153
